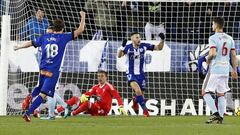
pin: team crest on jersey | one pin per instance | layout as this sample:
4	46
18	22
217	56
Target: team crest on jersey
141	50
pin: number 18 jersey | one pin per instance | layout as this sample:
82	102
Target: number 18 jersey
53	48
223	44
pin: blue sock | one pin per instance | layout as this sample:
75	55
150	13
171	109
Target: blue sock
35	92
210	102
36	103
141	101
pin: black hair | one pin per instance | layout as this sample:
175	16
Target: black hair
135	33
58	25
103	72
219	21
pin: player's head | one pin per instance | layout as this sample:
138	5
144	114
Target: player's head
218	23
50	29
102	76
136	38
58	25
39	14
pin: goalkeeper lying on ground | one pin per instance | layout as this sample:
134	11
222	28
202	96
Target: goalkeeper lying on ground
104	93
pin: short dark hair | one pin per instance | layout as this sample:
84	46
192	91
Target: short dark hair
219	21
50	27
102	72
58	25
135	33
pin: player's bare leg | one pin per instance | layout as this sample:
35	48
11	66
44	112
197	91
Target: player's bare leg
139	97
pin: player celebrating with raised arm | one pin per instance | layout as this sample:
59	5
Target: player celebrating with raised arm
221	47
53	47
104	93
135	53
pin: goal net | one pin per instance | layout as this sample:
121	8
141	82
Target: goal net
172	85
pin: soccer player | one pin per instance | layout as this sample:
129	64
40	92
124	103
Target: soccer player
53	47
135	53
104	93
221	48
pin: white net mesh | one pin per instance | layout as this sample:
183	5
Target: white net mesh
171	73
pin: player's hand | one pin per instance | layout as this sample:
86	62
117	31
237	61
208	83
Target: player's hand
82	13
122	111
234	75
84	98
162	36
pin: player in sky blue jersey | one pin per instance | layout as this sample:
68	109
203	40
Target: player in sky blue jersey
135	53
221	49
53	47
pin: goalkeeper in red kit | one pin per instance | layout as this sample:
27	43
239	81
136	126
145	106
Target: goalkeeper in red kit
103	92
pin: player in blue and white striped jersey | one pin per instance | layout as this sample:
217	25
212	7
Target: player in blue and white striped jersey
135	53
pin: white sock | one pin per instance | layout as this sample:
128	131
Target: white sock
221	105
60	101
210	102
51	106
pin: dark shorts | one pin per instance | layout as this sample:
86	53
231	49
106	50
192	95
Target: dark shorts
140	79
47	84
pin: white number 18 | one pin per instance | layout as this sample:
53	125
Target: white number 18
52	50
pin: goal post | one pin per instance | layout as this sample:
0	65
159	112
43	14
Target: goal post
5	42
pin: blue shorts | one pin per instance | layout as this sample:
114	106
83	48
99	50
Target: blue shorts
47	84
140	79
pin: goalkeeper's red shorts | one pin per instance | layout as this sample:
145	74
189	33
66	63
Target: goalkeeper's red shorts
96	110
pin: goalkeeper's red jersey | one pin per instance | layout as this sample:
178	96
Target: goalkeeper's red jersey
106	92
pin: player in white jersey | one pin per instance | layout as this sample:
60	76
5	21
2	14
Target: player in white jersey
221	49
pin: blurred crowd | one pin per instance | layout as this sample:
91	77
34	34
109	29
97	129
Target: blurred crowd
114	20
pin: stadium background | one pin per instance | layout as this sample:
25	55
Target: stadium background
185	31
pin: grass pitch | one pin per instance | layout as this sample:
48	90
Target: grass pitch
119	125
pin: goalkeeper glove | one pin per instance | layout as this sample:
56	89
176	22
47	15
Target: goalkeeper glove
122	111
162	36
84	98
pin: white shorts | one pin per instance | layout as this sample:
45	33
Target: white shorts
216	83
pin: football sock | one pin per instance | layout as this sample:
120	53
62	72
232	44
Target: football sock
221	105
36	103
51	106
141	101
60	101
210	102
35	92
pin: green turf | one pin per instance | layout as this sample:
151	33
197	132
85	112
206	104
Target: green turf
87	125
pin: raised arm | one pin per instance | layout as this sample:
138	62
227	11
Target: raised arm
24	45
80	29
161	43
120	51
